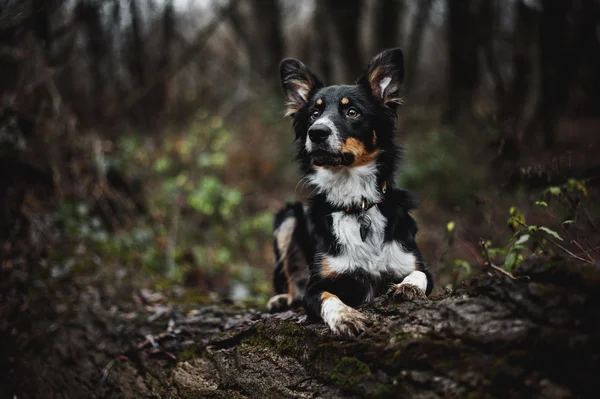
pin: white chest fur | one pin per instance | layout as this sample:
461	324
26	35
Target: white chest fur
373	255
347	186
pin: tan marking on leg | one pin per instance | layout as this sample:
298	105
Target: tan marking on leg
374	137
345	100
327	295
327	271
343	320
361	155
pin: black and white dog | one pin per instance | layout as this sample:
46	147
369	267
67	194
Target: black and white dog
355	239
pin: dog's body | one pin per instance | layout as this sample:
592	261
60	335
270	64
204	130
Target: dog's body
355	239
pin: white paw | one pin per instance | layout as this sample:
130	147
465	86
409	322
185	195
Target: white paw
406	292
279	303
343	320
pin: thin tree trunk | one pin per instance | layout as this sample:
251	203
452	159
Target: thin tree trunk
320	40
463	68
387	24
554	60
413	52
267	16
522	100
345	19
138	57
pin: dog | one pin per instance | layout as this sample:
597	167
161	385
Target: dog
354	239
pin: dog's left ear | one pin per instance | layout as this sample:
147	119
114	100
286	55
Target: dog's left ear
384	76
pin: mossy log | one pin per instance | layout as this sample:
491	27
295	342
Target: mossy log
493	337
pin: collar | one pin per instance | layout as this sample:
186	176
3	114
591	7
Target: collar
364	205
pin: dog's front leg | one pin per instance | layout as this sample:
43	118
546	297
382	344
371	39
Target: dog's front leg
343	320
412	287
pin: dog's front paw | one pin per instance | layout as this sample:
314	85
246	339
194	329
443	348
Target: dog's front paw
347	322
279	303
406	292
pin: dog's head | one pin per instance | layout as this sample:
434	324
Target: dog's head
344	126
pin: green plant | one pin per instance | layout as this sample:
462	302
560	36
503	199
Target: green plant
555	235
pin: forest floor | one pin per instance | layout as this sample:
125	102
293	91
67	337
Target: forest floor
95	331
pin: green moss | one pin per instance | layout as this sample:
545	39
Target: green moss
285	339
194	297
187	355
349	371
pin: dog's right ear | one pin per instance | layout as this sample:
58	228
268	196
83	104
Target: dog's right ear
298	82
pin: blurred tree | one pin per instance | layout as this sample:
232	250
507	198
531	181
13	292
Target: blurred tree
320	43
258	27
463	65
345	19
415	41
523	93
556	66
387	24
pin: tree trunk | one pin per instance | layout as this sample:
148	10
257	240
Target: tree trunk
387	24
413	53
524	92
463	66
494	337
345	19
555	59
259	29
320	39
267	17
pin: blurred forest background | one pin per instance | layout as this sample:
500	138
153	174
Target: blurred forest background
145	139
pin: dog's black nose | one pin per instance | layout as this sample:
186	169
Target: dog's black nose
318	133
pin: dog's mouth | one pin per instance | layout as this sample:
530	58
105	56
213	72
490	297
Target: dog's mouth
326	158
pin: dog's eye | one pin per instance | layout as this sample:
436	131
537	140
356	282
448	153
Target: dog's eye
352	112
315	114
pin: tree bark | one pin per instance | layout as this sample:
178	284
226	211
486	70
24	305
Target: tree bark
493	337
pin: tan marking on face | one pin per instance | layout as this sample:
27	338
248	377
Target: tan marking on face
319	101
328	295
374	137
361	155
327	271
345	100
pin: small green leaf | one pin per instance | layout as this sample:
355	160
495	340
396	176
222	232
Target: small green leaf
510	260
568	222
532	228
543	204
551	232
463	264
522	240
554	190
450	227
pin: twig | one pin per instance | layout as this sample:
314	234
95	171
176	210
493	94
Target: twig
472	251
590	245
489	263
562	226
